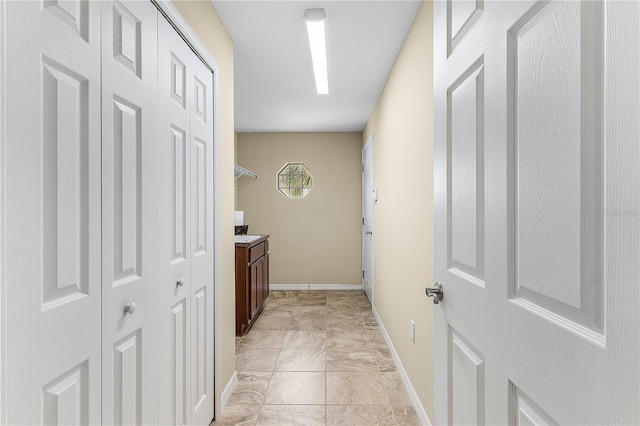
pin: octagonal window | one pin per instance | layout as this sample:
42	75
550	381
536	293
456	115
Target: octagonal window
294	180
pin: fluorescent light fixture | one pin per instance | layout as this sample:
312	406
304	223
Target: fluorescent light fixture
315	29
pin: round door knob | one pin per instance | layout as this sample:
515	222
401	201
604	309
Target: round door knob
180	282
130	308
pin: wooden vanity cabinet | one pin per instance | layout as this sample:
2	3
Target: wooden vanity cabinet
252	282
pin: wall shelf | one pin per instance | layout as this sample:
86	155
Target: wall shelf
241	171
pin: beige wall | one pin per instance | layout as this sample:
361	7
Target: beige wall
205	22
402	127
235	161
316	240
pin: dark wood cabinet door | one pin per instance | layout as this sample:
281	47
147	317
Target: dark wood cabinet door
253	292
265	277
259	286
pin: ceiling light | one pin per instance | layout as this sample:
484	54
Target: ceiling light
315	30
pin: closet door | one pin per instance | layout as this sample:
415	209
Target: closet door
185	232
201	286
129	211
51	213
174	232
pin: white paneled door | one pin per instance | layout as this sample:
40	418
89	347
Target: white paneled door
51	213
367	218
185	232
129	214
537	106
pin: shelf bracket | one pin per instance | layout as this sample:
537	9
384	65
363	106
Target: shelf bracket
241	171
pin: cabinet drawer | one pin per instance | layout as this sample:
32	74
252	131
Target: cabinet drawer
256	252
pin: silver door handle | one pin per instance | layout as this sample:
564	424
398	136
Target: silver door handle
436	292
130	308
180	282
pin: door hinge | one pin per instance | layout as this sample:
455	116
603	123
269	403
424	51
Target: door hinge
363	220
362	274
363	168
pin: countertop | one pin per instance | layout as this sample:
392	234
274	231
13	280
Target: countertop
260	238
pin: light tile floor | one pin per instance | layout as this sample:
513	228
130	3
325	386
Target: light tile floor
316	358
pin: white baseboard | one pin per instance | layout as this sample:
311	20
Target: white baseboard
228	390
276	287
417	405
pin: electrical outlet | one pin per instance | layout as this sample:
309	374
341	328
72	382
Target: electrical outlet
413	331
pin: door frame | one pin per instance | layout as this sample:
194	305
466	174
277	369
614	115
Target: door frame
186	32
3	299
367	145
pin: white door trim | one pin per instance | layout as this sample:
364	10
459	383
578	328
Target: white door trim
174	17
3	138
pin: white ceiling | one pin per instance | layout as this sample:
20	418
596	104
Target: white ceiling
274	83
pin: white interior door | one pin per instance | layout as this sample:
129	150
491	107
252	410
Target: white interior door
536	212
51	213
536	196
185	232
367	218
129	213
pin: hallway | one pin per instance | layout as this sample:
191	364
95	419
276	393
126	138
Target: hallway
317	358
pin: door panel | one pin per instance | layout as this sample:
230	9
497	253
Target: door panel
127	192
260	283
51	213
127	41
530	136
200	350
199	196
253	292
265	280
127	377
558	187
178	355
467	382
130	367
74	15
465	101
525	411
179	192
462	16
65	178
